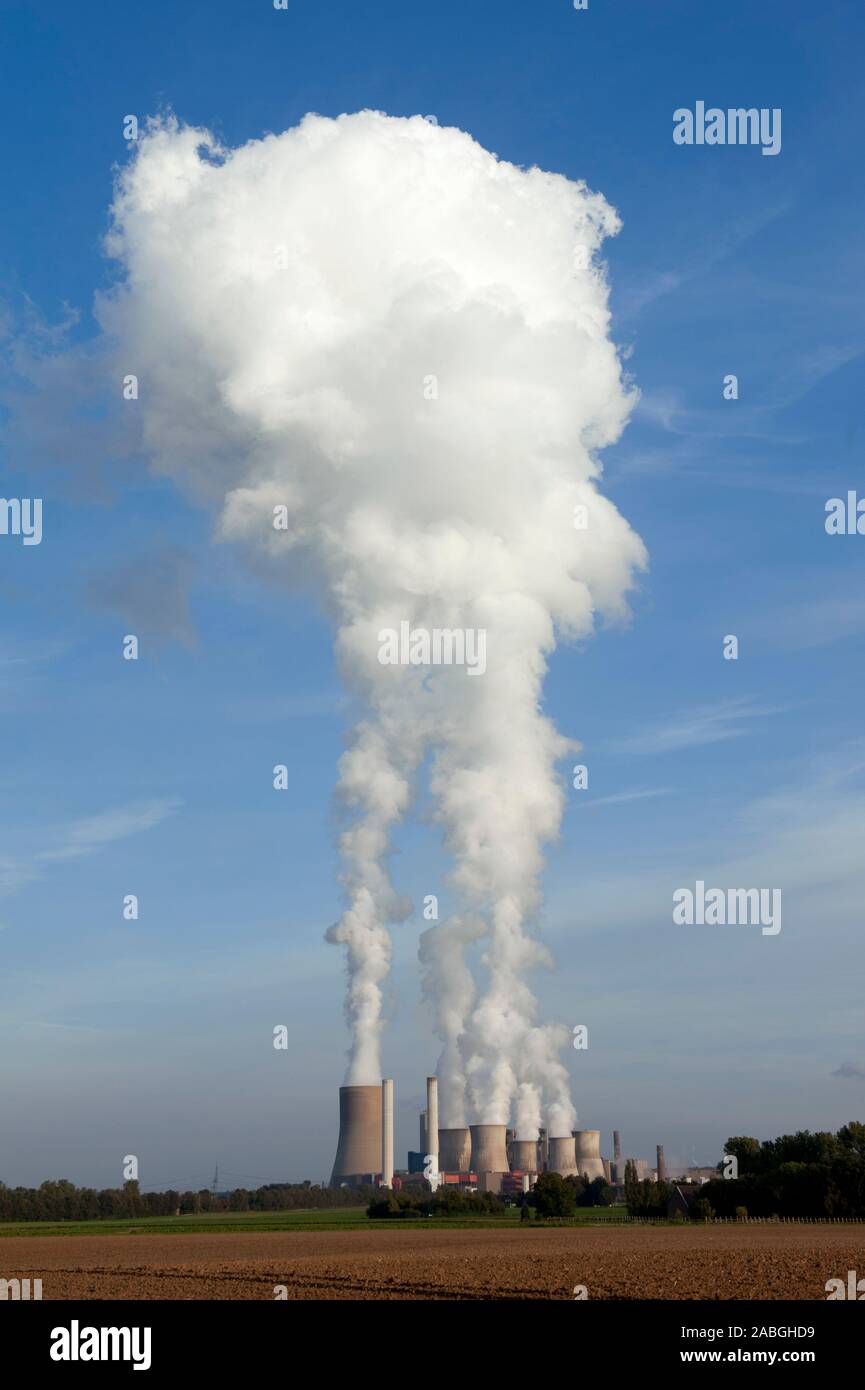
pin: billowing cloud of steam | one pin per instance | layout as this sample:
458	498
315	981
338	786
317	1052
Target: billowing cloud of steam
378	325
449	984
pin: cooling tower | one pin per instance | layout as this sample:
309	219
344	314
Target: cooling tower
387	1134
561	1157
489	1152
358	1153
455	1151
432	1121
524	1156
588	1153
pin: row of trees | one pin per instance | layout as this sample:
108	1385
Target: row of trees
651	1199
63	1201
801	1174
552	1196
415	1202
555	1196
645	1198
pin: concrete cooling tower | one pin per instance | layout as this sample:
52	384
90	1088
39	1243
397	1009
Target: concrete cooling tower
524	1156
358	1153
455	1151
561	1157
587	1143
489	1150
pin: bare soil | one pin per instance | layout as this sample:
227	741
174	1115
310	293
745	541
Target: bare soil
721	1262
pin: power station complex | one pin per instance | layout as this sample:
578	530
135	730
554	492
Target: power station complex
489	1157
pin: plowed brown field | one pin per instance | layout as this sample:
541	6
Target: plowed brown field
721	1262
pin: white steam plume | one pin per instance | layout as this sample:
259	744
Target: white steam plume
448	983
403	341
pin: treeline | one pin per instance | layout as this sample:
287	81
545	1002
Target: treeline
555	1196
414	1202
646	1198
802	1174
63	1201
552	1196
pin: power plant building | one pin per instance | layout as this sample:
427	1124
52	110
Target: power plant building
486	1156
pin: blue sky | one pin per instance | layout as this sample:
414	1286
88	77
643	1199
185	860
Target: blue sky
153	777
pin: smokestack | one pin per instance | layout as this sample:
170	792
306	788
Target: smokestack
524	1156
561	1158
489	1153
662	1164
423	1128
587	1146
455	1151
432	1121
543	1149
358	1152
387	1133
617	1157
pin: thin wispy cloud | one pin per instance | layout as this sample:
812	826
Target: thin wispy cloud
697	727
711	252
849	1071
619	798
84	837
816	622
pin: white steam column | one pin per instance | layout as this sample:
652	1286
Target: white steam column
387	1133
432	1129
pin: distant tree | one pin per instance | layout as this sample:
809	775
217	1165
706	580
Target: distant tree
580	1185
851	1138
601	1193
747	1151
380	1208
701	1210
554	1196
132	1204
632	1186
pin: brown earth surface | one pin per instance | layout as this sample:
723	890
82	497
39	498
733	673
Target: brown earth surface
722	1262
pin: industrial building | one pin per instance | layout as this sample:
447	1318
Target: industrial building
488	1157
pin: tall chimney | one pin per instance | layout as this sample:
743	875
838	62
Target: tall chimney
387	1133
543	1149
432	1122
423	1130
617	1156
662	1165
